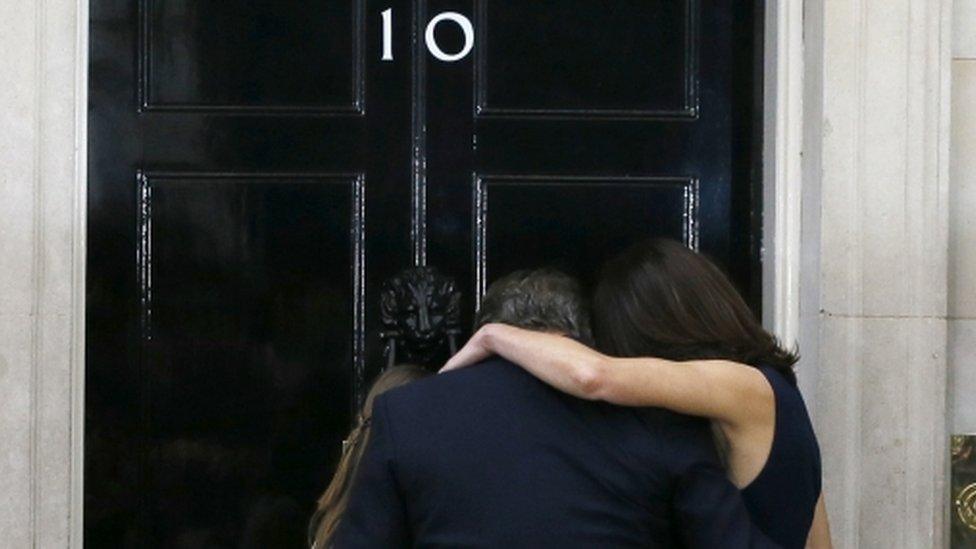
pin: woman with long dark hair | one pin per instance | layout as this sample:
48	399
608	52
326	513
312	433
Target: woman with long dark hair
672	332
332	503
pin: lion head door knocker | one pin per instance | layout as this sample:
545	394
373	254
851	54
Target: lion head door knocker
420	310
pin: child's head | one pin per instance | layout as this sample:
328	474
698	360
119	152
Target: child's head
332	504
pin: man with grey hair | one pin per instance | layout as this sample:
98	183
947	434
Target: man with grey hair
545	300
488	456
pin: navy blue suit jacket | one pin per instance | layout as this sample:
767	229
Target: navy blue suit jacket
491	457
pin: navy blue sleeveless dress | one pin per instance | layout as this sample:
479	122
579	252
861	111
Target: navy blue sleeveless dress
782	498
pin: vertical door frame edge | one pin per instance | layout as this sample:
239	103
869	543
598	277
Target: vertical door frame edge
79	241
782	167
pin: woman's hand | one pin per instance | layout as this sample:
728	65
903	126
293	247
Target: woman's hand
473	352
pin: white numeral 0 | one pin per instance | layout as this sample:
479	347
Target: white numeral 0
466	27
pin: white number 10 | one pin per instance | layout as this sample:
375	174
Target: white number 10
466	27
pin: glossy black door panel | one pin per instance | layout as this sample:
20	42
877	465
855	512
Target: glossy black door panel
242	389
257	171
574	223
562	113
234	148
250	56
555	58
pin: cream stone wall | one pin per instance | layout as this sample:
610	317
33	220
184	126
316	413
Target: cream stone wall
875	249
962	225
41	270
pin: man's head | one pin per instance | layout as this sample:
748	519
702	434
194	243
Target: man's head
544	300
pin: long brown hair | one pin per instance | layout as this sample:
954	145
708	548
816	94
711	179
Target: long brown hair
660	299
332	503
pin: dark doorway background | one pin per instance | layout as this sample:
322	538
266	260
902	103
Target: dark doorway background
256	171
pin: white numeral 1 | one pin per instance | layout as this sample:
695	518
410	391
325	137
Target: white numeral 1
388	34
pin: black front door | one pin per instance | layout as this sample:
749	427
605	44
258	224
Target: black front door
258	169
